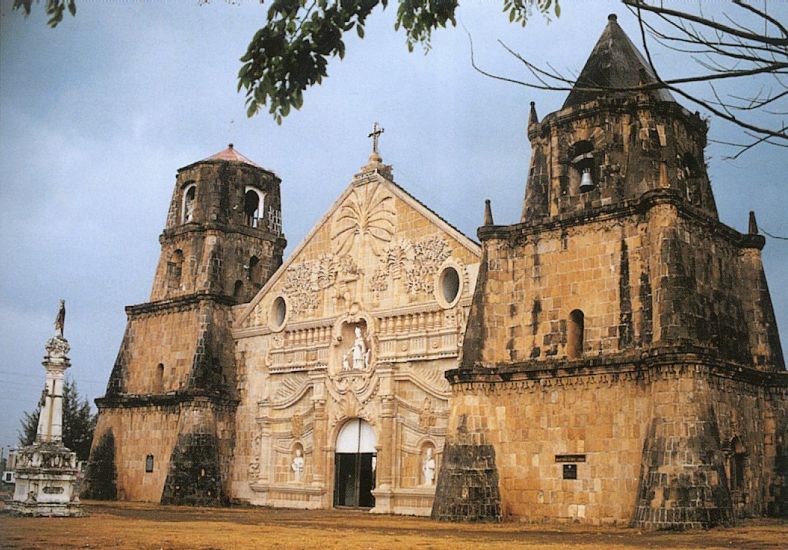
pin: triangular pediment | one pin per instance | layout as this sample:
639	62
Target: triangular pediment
376	247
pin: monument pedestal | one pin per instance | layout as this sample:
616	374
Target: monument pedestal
46	475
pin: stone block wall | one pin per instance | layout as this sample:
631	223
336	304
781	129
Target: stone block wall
632	146
217	250
173	431
657	273
468	484
140	432
199	466
648	443
210	260
174	346
221	186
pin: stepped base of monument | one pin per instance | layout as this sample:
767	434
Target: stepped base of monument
40	509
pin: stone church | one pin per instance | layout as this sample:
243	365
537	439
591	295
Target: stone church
612	358
314	383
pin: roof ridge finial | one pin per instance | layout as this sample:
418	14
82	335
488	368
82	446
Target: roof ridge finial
375	135
532	117
488	217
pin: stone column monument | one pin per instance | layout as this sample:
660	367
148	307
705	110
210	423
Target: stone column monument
46	471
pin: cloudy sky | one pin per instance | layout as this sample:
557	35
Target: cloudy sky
97	115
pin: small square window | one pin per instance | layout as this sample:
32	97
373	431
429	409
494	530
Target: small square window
570	471
149	463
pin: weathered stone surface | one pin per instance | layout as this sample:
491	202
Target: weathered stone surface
624	325
175	372
194	476
468	487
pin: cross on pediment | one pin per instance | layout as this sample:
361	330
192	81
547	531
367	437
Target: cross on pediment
375	135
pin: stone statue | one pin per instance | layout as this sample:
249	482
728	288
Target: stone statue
60	320
428	468
298	465
359	352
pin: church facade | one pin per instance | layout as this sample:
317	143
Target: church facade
342	356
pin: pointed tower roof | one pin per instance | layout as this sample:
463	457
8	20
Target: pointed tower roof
614	62
232	155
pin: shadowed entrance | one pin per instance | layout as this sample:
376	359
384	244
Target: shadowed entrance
354	471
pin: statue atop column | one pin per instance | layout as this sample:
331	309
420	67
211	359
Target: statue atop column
60	320
47	471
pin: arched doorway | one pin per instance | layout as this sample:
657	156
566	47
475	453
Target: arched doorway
354	470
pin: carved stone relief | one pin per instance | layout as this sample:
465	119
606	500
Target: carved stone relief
366	217
428	468
253	471
427	416
296	425
353	367
304	281
416	263
297	465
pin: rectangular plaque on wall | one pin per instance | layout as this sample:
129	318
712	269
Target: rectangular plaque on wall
570	471
570	458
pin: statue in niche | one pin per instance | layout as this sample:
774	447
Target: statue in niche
298	465
358	354
428	468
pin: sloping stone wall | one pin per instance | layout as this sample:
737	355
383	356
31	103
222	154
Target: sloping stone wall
647	441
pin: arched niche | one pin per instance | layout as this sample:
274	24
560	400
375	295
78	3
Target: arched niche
575	330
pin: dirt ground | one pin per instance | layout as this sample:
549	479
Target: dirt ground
123	526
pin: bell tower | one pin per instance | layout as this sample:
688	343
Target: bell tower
621	339
170	402
224	230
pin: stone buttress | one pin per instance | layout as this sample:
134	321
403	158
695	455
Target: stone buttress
621	362
169	407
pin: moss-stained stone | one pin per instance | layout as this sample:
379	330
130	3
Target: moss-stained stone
194	475
100	482
468	486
